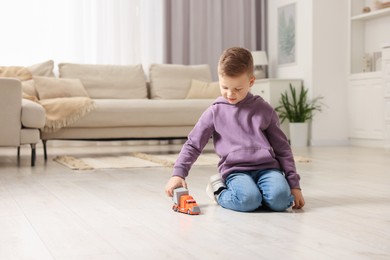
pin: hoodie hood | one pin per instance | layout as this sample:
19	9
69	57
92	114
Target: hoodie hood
249	97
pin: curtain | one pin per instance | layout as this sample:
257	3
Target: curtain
197	31
128	31
82	31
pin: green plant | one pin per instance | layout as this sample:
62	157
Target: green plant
297	107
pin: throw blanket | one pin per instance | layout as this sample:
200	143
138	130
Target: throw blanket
61	112
20	73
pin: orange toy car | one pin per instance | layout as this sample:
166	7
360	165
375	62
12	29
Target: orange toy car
184	203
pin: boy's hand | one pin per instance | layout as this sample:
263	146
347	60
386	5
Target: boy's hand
298	198
173	183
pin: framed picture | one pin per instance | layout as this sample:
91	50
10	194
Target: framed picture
286	34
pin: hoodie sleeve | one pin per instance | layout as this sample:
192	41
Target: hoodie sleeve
197	140
283	152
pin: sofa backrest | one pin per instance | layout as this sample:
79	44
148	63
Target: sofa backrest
108	81
173	81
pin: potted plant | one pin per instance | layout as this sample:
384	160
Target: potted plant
298	109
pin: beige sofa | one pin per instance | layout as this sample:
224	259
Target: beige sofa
129	107
127	103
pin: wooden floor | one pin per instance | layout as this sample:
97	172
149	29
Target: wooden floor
51	212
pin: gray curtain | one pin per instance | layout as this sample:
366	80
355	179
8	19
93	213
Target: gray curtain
197	31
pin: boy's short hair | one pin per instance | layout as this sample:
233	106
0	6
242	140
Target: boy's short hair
235	61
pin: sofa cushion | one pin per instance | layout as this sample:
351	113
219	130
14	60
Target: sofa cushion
33	114
138	112
28	88
173	81
203	90
44	69
58	88
108	81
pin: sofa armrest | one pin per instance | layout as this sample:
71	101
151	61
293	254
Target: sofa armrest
11	105
33	114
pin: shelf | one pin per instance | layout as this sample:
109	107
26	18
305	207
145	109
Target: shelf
371	15
366	75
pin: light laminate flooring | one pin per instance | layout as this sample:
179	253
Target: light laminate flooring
52	212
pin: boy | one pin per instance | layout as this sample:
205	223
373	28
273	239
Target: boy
256	166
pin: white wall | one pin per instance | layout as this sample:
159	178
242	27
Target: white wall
321	61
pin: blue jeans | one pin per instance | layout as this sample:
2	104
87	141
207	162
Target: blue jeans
247	191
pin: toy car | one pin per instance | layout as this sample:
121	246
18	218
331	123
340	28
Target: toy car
184	202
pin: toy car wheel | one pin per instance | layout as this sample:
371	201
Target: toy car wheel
174	208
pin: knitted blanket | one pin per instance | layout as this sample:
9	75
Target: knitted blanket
18	72
61	112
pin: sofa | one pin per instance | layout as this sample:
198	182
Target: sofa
125	103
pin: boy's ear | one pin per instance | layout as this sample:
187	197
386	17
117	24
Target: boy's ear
252	81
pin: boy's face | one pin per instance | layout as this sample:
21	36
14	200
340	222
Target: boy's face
235	89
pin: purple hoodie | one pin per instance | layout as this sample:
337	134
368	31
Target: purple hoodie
246	137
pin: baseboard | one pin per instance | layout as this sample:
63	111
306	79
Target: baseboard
329	142
370	143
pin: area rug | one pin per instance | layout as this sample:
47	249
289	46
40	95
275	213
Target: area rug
99	162
133	160
139	160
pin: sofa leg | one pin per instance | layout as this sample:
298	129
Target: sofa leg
18	154
44	149
33	154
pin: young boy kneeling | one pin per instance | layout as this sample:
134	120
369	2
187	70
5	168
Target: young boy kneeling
256	166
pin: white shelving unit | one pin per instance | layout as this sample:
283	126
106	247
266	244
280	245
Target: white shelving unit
369	32
371	15
386	86
368	103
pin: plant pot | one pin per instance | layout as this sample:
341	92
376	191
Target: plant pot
299	134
